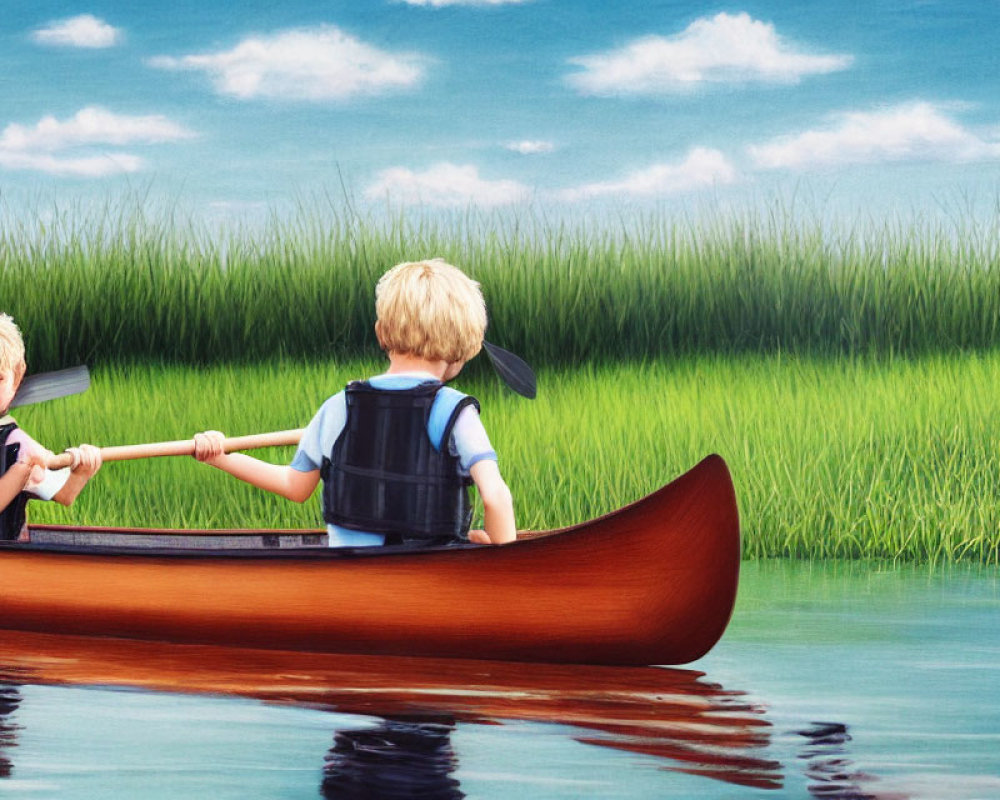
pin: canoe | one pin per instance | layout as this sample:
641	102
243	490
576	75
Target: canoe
652	583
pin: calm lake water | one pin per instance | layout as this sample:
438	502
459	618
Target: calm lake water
832	681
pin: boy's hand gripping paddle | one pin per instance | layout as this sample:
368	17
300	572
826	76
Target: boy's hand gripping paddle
50	385
512	369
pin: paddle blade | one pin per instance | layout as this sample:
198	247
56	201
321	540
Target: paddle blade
50	385
512	369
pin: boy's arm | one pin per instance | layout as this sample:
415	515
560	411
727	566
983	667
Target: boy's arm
498	505
86	461
52	485
280	479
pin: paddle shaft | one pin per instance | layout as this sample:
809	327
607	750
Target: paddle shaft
184	447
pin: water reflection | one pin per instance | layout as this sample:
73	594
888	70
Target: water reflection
398	759
10	699
675	716
831	772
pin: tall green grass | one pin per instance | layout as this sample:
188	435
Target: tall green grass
833	457
133	284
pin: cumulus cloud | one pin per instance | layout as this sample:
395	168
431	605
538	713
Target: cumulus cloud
316	64
84	30
530	147
91	125
917	131
726	48
444	185
66	147
701	169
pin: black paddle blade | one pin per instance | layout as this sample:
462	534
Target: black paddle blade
50	385
513	370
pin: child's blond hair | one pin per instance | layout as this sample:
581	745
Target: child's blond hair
11	347
430	309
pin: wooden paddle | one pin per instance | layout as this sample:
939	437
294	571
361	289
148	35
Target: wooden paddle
513	370
183	447
50	385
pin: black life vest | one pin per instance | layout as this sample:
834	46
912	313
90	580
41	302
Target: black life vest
385	475
13	517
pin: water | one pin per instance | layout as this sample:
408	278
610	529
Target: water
833	681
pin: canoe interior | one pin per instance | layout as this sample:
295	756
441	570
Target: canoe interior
105	539
63	536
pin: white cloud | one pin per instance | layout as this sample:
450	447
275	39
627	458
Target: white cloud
443	3
84	30
529	147
65	147
917	131
316	64
91	125
725	48
81	167
444	185
701	169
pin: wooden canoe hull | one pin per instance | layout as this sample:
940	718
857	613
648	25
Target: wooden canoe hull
653	583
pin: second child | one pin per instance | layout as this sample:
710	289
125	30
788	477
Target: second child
23	472
397	453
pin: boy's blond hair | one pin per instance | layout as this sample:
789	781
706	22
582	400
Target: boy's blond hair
11	347
430	309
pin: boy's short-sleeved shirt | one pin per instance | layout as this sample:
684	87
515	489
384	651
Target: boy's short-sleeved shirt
469	442
51	481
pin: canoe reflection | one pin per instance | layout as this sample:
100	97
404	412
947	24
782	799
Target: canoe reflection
687	723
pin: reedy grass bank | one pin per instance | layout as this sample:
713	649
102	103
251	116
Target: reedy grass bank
126	285
832	457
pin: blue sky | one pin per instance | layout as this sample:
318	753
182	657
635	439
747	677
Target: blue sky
883	107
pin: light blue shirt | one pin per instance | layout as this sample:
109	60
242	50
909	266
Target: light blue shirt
468	441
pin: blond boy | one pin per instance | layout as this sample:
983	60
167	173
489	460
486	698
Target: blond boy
397	452
23	474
